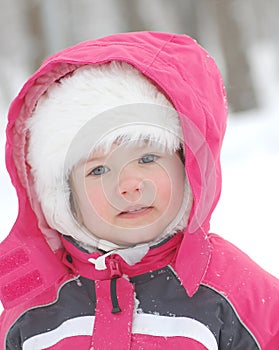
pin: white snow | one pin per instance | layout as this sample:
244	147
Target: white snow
247	211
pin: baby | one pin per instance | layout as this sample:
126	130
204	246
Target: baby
114	148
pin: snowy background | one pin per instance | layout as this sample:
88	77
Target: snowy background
248	211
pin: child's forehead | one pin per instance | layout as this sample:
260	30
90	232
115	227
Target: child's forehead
131	148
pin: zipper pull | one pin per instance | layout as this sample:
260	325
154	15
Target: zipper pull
113	295
114	268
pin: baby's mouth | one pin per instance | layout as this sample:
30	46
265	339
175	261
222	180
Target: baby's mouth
135	211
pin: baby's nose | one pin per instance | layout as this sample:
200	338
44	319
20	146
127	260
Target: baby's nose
130	187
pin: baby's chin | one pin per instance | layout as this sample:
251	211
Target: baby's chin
129	237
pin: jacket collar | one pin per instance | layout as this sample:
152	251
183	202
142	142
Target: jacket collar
85	264
188	254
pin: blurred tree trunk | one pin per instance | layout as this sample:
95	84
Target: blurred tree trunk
131	15
15	49
240	90
55	24
187	17
49	26
36	32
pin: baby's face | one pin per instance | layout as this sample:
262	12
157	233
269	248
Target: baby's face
130	194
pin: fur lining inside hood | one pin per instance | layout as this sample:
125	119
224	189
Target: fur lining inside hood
91	109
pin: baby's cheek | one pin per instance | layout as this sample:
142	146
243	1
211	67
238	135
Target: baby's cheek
164	188
98	203
94	199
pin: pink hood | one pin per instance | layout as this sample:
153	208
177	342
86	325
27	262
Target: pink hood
191	80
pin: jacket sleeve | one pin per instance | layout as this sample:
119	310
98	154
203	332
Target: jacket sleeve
252	292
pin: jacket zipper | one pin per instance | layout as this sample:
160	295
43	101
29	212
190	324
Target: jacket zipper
115	273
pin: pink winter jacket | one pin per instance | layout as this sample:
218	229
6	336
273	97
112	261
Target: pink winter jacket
192	291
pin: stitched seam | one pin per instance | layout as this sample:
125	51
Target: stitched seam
158	53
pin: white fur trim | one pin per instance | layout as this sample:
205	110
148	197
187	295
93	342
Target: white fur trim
90	109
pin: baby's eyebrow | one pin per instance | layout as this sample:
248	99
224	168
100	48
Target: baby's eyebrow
95	159
98	158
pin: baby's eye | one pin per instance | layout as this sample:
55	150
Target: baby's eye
148	158
99	170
